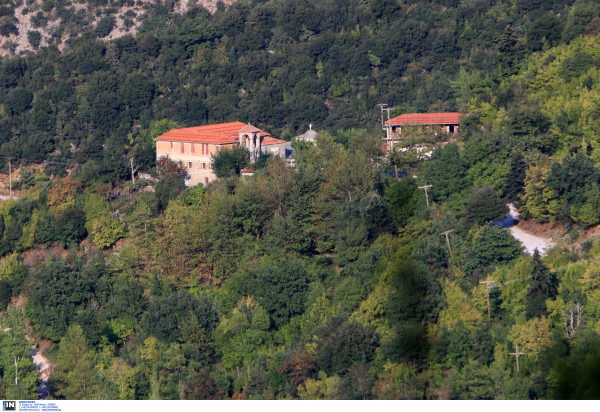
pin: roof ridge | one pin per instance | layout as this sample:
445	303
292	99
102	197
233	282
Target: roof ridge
426	118
220	133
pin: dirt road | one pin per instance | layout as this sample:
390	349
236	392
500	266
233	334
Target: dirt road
530	241
43	366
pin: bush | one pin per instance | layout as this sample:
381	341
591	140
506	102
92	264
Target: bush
484	206
281	290
104	26
35	38
19	100
492	245
348	344
70	226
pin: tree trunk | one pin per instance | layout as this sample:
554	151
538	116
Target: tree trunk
133	170
16	370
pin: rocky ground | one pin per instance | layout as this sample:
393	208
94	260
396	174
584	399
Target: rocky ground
25	13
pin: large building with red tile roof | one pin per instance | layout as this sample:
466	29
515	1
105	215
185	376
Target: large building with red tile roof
194	146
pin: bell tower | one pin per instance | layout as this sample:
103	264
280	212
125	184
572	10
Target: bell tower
251	139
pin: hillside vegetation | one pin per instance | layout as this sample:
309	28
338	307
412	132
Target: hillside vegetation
281	65
330	280
29	25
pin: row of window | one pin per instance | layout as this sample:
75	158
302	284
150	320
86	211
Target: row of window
202	147
203	165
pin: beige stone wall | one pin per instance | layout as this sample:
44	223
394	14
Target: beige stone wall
275	149
179	149
201	177
198	164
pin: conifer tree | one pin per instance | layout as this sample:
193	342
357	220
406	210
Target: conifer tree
484	205
515	180
544	285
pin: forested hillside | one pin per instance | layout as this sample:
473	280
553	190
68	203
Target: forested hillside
278	64
332	279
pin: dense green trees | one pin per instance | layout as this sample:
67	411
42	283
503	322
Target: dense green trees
163	316
280	289
447	174
74	373
59	295
228	163
18	378
273	63
330	280
492	245
345	345
484	206
290	283
544	285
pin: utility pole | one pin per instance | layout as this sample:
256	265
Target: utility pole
382	106
447	232
426	196
487	289
388	110
516	354
10	177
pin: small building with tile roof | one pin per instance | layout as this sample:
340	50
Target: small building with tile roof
446	122
195	146
309	136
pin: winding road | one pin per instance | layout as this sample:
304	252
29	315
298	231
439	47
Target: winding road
530	241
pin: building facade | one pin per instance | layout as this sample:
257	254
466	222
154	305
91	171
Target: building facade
195	146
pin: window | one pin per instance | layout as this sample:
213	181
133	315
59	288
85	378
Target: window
206	180
189	165
171	145
203	165
181	147
193	147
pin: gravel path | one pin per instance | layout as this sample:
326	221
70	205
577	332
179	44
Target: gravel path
530	241
43	366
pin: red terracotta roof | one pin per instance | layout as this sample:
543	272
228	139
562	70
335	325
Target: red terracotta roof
249	129
425	118
222	133
271	140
